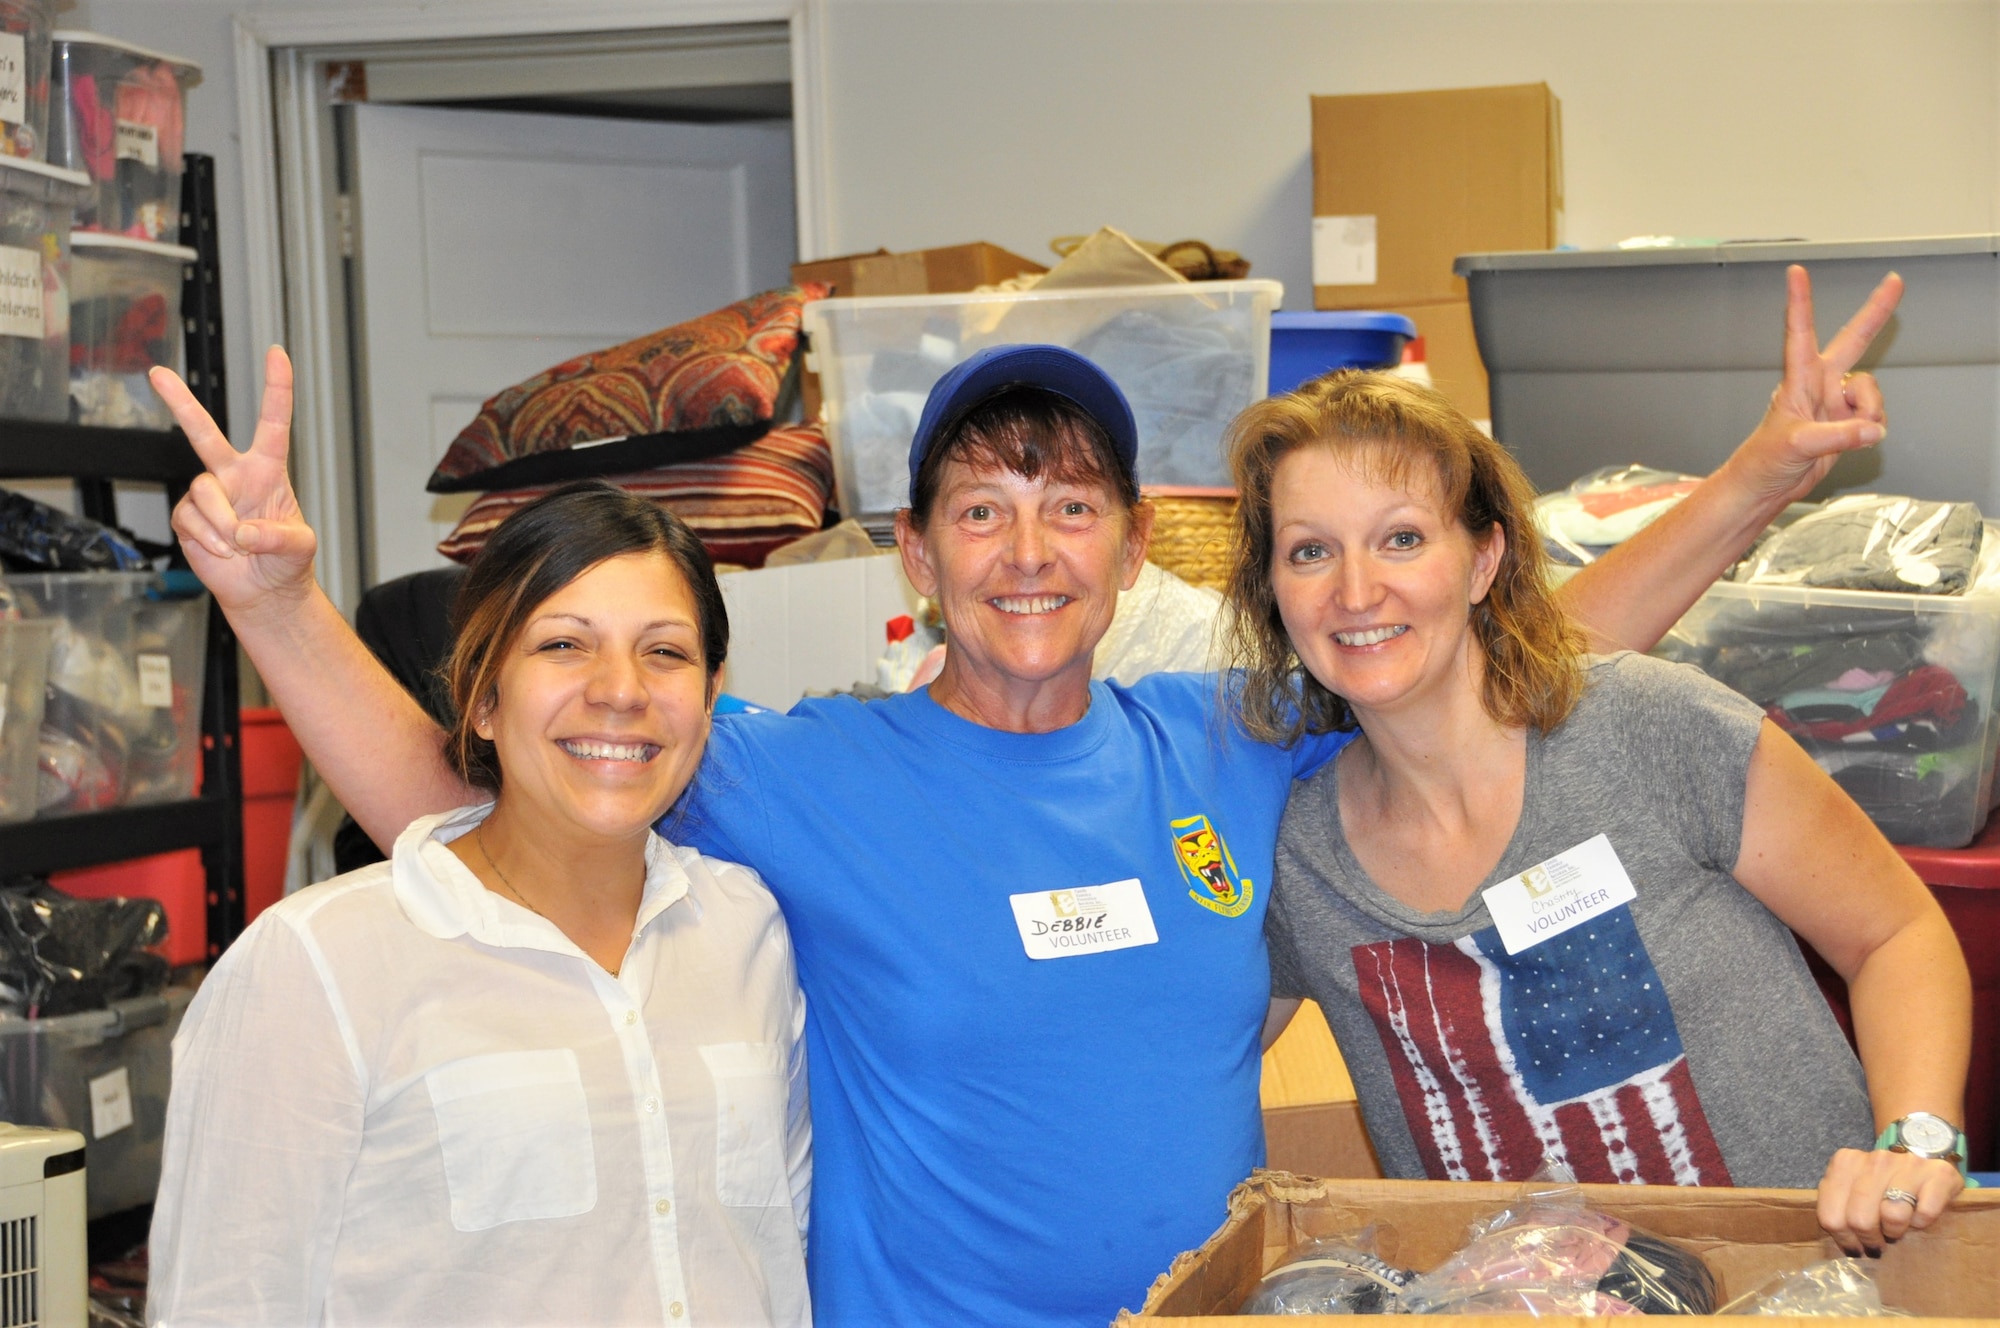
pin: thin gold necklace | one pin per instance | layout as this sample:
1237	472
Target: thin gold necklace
479	840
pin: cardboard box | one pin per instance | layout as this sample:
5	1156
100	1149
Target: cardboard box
1405	182
1452	353
1951	1271
956	268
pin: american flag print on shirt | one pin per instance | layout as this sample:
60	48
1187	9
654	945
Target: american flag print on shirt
1567	1050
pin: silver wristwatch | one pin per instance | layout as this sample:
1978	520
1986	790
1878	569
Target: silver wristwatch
1921	1134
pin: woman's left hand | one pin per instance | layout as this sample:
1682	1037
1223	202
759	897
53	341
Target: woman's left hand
1861	1197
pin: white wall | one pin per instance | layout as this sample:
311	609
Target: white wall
1017	120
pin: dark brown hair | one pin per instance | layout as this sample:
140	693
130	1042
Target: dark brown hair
535	553
1032	432
1407	435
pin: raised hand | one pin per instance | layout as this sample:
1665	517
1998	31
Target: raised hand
240	523
1822	408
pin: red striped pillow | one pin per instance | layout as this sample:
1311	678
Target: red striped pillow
743	504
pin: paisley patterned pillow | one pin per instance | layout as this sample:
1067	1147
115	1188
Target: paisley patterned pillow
743	505
694	390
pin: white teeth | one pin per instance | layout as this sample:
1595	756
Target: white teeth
608	751
1029	603
1373	636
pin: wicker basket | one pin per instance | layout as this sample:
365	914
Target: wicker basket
1191	533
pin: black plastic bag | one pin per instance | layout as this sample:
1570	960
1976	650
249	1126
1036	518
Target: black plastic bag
35	535
60	954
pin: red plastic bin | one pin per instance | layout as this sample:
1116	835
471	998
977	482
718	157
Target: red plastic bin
178	880
271	763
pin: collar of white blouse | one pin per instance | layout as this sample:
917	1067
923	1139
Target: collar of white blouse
442	897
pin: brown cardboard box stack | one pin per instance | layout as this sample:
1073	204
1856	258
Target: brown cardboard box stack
1950	1272
1405	182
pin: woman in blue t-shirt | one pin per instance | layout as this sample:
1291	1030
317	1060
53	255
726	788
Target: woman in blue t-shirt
1027	908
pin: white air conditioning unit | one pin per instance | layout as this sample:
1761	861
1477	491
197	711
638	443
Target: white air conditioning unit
44	1278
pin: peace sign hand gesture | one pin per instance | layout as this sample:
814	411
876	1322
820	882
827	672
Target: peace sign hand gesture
1821	409
240	523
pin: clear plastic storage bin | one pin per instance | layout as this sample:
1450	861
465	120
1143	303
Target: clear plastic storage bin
104	1074
119	115
1189	357
24	667
1921	764
35	203
123	719
24	78
124	318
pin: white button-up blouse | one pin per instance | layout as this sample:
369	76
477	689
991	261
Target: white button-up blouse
401	1098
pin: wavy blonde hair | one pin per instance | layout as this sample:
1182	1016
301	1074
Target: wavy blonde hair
1407	435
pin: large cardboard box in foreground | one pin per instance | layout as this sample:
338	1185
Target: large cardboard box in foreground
1950	1272
1405	182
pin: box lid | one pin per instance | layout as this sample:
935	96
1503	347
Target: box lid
1742	251
186	70
1326	320
131	244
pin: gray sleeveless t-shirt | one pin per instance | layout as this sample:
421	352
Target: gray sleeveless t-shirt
1677	1039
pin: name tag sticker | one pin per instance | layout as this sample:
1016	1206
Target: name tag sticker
1566	891
1062	924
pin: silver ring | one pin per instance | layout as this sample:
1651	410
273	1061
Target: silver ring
1899	1196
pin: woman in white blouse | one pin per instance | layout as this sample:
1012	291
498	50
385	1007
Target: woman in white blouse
542	1066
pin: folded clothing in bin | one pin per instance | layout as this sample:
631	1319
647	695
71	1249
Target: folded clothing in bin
1868	542
60	954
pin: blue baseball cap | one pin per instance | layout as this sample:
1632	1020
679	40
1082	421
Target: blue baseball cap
1051	368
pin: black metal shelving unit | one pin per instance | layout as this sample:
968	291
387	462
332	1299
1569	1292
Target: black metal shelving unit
94	459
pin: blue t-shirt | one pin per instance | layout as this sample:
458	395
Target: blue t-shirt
999	1139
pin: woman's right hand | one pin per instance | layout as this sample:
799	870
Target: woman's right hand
239	522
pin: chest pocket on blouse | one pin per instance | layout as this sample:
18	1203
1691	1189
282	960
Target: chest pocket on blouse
750	1091
514	1128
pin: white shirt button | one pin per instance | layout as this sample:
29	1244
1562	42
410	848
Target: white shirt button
631	1016
663	1208
652	1106
675	1309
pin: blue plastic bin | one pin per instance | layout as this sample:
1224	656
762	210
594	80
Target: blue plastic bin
1307	345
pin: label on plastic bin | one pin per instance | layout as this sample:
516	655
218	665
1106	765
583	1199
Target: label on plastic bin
1344	251
110	1103
1062	924
13	77
1566	891
156	681
20	293
140	143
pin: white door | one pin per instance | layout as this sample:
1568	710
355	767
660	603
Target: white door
493	245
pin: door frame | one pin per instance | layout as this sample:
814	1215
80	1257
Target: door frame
294	255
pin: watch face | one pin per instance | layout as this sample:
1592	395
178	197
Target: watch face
1928	1135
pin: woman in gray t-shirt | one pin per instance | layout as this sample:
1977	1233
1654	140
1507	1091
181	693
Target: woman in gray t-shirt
1547	899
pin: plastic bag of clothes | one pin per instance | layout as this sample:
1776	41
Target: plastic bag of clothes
1330	1275
1834	1289
35	535
1868	542
60	954
1553	1254
1605	508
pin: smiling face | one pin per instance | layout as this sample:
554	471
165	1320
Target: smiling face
1374	582
601	706
1027	574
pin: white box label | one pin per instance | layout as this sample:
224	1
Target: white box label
156	681
1344	251
140	143
13	77
110	1103
20	293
